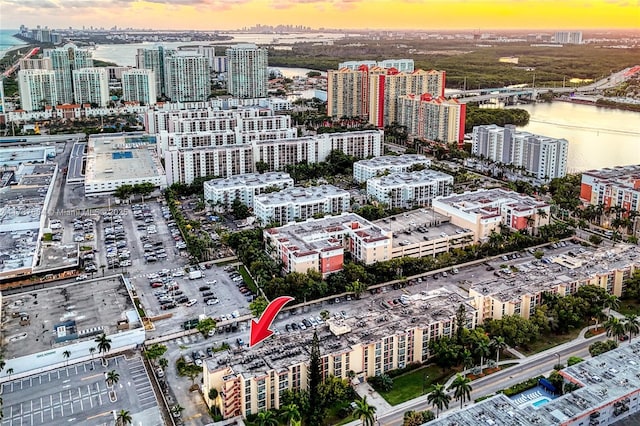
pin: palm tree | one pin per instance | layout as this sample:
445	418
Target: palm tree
615	328
482	350
66	354
92	350
112	378
9	372
290	413
439	398
176	410
632	325
266	418
611	302
462	388
163	362
104	344
365	412
124	418
467	359
498	343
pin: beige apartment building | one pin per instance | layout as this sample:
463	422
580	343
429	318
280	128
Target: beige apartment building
380	339
521	293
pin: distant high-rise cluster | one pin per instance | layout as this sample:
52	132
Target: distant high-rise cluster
372	90
541	156
247	71
568	37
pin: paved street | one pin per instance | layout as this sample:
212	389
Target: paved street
78	394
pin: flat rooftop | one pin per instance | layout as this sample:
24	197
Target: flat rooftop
421	177
393	160
13	156
619	173
606	379
40	320
369	325
419	225
119	157
249	179
301	195
533	279
487	200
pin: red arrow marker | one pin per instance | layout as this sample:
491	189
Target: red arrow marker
260	329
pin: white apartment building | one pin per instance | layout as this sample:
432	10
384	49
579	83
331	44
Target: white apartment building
363	170
409	189
568	37
91	86
543	157
612	187
37	89
186	77
402	65
432	118
247	74
64	60
186	164
153	59
348	92
297	203
221	193
139	86
36	64
483	211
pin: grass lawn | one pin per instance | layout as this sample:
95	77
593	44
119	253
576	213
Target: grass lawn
410	385
547	341
629	307
247	279
333	415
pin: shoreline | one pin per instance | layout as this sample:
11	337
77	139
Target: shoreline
12	49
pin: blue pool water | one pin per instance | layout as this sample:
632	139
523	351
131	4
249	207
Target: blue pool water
540	402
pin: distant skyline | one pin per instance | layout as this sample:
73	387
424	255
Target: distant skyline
352	14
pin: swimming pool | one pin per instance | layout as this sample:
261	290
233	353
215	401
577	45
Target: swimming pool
540	402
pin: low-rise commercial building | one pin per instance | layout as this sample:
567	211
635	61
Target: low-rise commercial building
364	170
40	326
298	203
609	386
612	187
320	244
384	337
406	190
114	160
221	193
521	292
483	211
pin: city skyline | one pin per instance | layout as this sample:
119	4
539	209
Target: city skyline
352	14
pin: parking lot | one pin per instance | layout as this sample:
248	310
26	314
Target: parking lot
78	394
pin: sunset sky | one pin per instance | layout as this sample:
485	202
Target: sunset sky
378	14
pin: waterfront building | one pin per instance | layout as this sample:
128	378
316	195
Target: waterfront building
222	192
36	64
153	59
372	342
617	187
542	157
91	86
37	89
432	118
405	190
348	92
402	65
115	73
64	60
139	85
363	170
186	77
387	85
298	203
484	210
247	71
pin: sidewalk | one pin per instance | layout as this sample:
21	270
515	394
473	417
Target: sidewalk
373	398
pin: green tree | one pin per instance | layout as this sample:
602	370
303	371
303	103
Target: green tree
290	413
598	348
462	388
258	306
573	360
631	325
155	351
365	412
461	321
315	378
206	326
239	210
482	350
66	354
381	382
595	239
104	345
439	398
112	378
357	288
123	418
611	302
615	328
163	363
266	418
262	167
498	344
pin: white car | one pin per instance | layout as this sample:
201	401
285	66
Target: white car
212	302
178	273
212	282
191	303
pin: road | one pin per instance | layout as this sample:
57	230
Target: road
541	363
